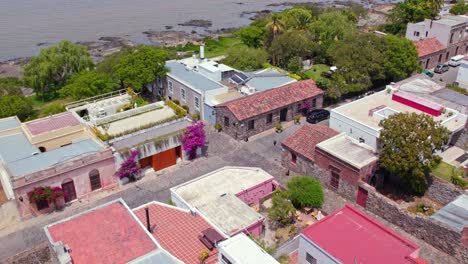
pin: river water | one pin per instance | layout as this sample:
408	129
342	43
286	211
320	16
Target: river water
25	23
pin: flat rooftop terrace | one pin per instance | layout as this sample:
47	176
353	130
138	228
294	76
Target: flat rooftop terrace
108	234
9	123
359	111
349	150
227	180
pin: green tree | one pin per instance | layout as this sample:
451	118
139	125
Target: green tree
87	84
251	36
332	26
141	67
305	191
108	64
274	27
290	44
10	86
401	58
408	142
246	59
50	70
282	210
411	11
360	61
13	105
295	65
460	8
297	18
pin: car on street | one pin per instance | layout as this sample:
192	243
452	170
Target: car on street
428	73
441	68
317	115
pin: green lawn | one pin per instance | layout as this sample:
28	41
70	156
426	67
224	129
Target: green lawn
314	72
445	171
43	109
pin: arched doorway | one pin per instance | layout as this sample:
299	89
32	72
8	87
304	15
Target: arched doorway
427	63
68	187
95	179
456	51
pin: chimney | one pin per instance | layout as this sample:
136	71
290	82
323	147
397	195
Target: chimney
148	224
202	52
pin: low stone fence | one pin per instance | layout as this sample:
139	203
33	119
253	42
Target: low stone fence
442	191
432	231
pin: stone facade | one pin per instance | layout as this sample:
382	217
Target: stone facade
240	129
176	94
442	191
433	232
431	60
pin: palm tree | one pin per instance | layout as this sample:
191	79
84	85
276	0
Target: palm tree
302	22
275	26
436	6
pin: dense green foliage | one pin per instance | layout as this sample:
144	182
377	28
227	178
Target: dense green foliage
252	36
401	58
12	105
408	142
87	84
50	70
141	67
10	86
245	58
289	45
282	210
460	8
305	191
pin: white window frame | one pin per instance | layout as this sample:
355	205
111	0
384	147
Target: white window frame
170	87
195	100
183	94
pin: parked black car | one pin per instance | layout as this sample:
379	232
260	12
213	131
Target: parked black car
441	68
317	115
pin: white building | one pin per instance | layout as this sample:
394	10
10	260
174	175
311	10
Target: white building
462	75
360	119
240	249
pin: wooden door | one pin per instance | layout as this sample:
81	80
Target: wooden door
69	191
361	197
283	114
164	159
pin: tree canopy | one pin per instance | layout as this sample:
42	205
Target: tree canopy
408	142
252	36
10	86
305	191
332	26
282	210
401	58
291	44
50	70
246	59
12	105
141	67
87	84
460	8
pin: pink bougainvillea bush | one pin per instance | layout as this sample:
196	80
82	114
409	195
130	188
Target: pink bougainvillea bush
194	138
129	167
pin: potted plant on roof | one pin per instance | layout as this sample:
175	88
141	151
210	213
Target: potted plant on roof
203	256
59	198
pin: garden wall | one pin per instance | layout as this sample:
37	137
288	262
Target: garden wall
442	191
433	232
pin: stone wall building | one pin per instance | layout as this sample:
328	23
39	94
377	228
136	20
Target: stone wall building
340	163
250	115
430	53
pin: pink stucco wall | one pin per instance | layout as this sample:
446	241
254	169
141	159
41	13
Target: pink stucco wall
257	192
255	229
77	170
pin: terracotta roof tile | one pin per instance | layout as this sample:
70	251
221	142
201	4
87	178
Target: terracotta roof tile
177	231
106	235
272	99
304	140
429	46
54	122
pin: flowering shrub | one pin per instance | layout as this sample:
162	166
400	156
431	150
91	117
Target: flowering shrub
41	193
58	192
129	167
194	137
306	106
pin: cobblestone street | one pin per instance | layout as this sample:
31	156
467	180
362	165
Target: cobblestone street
260	151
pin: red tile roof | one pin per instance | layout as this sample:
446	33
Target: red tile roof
52	123
351	236
429	46
177	231
106	235
272	99
304	140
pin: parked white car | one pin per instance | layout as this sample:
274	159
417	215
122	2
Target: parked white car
456	60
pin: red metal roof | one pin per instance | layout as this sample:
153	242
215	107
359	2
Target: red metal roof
177	231
266	101
417	102
52	123
429	46
304	140
106	235
351	236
